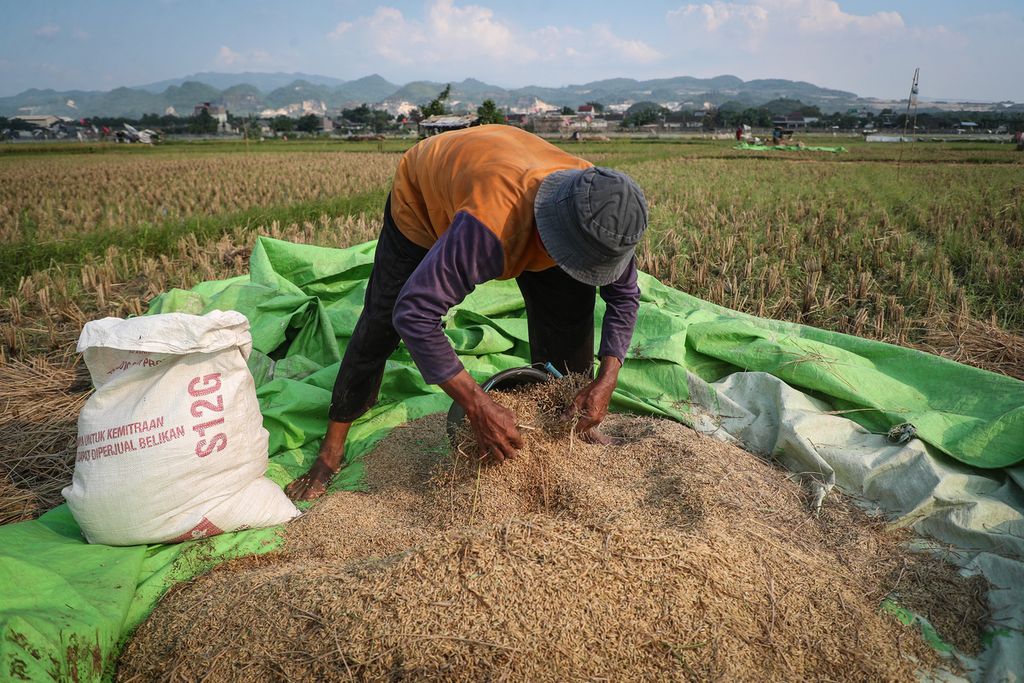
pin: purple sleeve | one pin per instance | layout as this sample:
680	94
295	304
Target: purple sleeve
622	299
466	255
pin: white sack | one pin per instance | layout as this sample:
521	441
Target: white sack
171	445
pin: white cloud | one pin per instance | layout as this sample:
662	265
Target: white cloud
452	36
47	31
717	14
247	59
394	38
471	27
341	29
554	42
629	50
446	33
820	16
227	56
825	42
808	16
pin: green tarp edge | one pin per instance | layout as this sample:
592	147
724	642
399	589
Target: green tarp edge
66	606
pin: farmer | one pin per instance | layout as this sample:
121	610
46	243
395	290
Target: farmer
486	203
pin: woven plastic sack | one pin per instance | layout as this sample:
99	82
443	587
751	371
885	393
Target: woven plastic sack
171	445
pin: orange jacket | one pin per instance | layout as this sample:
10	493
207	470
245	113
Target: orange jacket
490	172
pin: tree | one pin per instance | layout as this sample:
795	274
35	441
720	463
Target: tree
489	113
783	106
202	123
840	120
712	119
756	117
375	119
282	124
436	106
236	122
568	111
643	113
310	123
251	128
15	124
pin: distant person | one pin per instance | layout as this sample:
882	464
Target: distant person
492	203
739	134
1018	138
777	136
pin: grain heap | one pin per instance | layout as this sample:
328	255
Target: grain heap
671	556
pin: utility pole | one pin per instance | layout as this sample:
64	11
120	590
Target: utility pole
911	106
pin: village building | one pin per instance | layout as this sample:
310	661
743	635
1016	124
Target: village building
432	125
217	112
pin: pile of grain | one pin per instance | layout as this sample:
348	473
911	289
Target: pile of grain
671	556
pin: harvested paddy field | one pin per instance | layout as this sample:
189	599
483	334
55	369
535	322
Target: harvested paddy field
923	252
669	555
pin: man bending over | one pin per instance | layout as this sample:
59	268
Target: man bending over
486	203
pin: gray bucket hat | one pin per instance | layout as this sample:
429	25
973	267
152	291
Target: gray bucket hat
590	222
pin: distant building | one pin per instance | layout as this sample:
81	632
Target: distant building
42	121
433	125
296	109
585	122
551	122
217	111
794	121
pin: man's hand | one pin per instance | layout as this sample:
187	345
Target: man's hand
591	403
495	429
493	426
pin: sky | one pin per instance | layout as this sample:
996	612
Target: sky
966	50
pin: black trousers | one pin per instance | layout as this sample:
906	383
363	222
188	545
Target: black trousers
559	310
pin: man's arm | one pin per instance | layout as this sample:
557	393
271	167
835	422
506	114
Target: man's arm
467	254
622	299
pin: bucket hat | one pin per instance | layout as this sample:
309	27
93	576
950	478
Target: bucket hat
590	222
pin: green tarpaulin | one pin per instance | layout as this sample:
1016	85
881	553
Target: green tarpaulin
65	606
788	148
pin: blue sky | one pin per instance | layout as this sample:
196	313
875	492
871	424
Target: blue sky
966	50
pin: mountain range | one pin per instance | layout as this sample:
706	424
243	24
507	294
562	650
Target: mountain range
252	92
